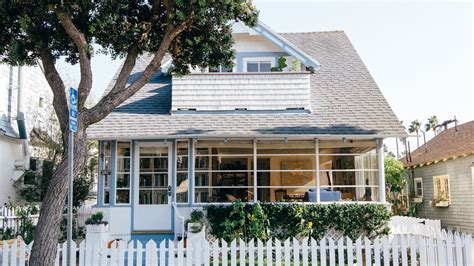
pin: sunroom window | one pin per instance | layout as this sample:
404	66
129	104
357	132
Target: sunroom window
182	181
122	195
223	171
105	171
285	171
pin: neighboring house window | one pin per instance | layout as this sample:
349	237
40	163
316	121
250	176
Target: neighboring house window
418	187
220	69
33	164
153	176
182	181
262	64
41	102
122	194
105	171
441	188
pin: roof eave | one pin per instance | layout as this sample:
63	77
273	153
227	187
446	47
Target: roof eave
269	136
287	46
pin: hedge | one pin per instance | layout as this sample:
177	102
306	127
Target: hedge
270	220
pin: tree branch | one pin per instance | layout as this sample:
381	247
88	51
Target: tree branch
57	86
79	39
120	93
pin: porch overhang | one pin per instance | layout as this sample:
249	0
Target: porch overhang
252	136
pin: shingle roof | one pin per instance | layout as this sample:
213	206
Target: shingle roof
345	100
7	129
446	145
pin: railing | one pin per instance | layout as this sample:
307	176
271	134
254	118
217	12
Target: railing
456	249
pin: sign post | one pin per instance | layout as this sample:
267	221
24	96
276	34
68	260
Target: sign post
72	128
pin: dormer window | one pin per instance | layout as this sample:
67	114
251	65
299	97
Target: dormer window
220	69
258	64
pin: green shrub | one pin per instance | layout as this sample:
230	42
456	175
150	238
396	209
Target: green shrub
26	230
96	218
196	217
282	221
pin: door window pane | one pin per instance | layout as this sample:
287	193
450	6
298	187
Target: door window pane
153	177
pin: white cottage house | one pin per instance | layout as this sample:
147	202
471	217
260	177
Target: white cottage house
311	133
25	98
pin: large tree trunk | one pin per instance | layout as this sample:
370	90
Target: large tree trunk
48	229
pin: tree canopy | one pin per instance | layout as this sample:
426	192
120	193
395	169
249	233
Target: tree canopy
195	33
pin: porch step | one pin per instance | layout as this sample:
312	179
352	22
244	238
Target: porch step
157	236
153	232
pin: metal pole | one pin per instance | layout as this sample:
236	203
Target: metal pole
70	195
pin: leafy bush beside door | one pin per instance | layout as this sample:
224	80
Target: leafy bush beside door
268	220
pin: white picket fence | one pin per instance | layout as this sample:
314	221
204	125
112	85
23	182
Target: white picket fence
410	221
456	249
402	225
9	218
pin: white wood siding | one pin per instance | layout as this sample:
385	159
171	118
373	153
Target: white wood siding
226	92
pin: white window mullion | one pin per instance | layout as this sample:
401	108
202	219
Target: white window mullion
318	176
255	190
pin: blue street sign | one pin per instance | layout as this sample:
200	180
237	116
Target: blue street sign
73	99
73	125
73	113
73	110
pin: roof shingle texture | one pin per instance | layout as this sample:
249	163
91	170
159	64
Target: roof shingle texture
345	100
446	145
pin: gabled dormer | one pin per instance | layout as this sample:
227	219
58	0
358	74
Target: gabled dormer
269	74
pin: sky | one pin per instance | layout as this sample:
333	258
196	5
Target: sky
419	53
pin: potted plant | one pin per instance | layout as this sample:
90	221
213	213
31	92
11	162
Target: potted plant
195	224
440	202
96	224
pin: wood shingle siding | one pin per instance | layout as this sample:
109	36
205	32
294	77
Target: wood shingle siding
228	92
460	214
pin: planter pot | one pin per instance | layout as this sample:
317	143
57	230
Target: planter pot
97	228
442	204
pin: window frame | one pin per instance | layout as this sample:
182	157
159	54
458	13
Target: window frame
168	173
102	167
444	183
182	171
418	197
367	169
258	59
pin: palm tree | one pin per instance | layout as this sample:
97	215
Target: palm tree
415	126
432	123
